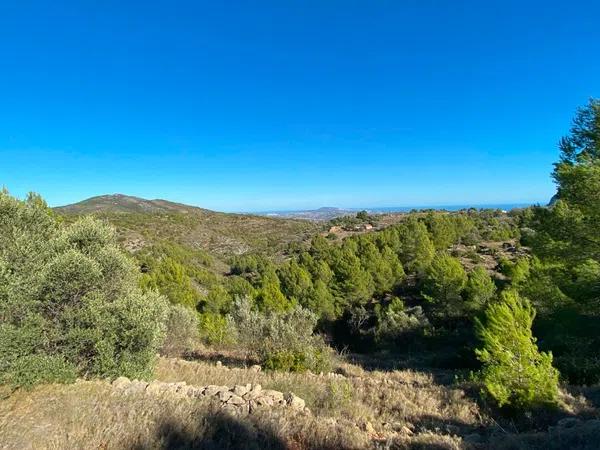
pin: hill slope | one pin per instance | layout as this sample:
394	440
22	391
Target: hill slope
142	222
119	203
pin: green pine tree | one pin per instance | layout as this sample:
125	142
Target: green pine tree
480	289
514	372
444	284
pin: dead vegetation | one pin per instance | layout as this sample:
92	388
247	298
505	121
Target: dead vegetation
350	409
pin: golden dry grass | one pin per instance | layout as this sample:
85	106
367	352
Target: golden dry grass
397	410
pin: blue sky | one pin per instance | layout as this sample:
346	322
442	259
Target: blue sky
241	106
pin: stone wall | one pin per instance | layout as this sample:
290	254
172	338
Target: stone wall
238	398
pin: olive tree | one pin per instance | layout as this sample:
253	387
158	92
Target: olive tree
70	304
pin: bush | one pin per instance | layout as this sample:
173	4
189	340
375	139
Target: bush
311	358
33	369
339	396
216	329
170	278
182	331
514	372
395	320
281	340
69	300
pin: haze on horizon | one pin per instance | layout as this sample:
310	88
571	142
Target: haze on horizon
241	107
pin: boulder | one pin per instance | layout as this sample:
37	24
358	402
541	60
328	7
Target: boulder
212	389
190	391
156	387
253	393
178	387
224	396
255	368
241	390
236	400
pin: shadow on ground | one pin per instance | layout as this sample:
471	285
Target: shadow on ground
218	431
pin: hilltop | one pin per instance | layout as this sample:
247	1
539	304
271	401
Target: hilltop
141	222
120	203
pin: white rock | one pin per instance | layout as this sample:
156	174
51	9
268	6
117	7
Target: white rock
236	400
212	389
264	401
240	390
225	395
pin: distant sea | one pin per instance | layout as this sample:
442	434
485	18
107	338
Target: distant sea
391	209
503	206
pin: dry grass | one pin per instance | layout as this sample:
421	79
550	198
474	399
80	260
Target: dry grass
94	415
398	410
396	398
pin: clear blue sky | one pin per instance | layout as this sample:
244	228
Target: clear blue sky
261	105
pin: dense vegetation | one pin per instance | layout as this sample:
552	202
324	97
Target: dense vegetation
562	280
504	296
70	304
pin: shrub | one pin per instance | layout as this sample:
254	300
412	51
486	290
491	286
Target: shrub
514	372
170	278
69	300
33	369
216	329
182	331
395	320
314	358
338	397
281	340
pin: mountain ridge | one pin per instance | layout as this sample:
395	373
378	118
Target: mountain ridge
141	223
126	203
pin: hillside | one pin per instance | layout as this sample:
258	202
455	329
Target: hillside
119	203
142	222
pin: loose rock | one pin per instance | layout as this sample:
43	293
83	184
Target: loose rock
241	390
236	400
